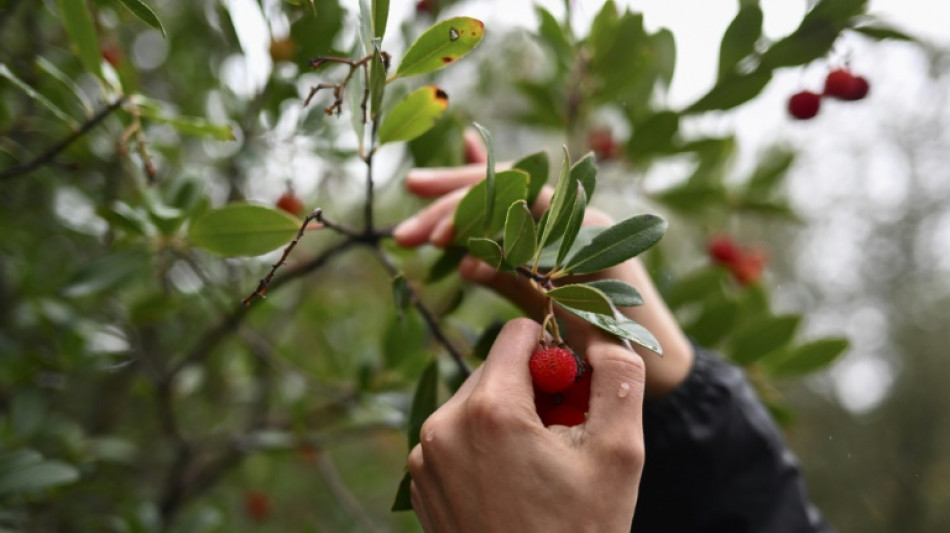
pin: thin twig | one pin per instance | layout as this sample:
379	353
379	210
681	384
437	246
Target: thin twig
48	156
341	494
427	316
338	88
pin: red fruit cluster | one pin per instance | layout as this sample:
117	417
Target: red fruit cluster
569	406
257	505
290	203
553	369
746	265
601	142
840	84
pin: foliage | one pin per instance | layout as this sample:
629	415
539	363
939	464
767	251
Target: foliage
141	393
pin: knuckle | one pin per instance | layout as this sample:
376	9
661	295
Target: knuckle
416	462
626	455
486	414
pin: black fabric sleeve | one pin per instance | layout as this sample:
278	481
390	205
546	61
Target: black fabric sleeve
716	462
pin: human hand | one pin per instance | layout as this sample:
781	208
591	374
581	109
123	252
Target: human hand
485	462
433	225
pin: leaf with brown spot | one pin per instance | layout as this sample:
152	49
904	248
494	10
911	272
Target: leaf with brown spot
441	45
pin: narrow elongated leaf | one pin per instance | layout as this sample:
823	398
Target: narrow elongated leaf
401	293
880	32
536	165
584	171
489	172
380	16
82	32
664	50
695	287
582	297
740	38
715	322
520	235
377	82
806	44
732	91
622	327
243	230
446	264
621	294
617	244
486	249
469	220
564	194
758	338
48	67
107	272
195	126
424	403
441	45
142	11
573	227
809	358
548	256
5	72
414	115
37	476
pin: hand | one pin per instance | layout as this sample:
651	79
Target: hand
486	463
434	225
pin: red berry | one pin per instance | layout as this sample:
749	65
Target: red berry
723	249
290	203
423	6
544	402
578	394
564	415
112	54
601	141
257	505
843	85
804	105
553	369
747	269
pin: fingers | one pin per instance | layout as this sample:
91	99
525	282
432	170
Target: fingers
418	229
515	288
616	400
432	182
505	374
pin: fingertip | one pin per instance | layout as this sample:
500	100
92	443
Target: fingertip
443	233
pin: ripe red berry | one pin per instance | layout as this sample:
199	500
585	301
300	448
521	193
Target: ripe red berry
544	402
112	54
747	269
844	85
553	369
257	505
601	142
722	249
423	6
578	394
804	105
290	203
564	415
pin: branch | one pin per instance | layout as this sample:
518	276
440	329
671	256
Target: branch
427	315
48	156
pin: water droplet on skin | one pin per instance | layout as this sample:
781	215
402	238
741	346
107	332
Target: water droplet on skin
624	390
453	34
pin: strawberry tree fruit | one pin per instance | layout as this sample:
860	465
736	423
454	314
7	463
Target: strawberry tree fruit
748	267
553	369
804	105
601	142
723	250
290	203
257	504
843	85
564	415
578	394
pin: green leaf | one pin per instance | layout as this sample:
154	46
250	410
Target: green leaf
380	16
715	323
469	220
142	11
740	38
882	32
621	294
654	134
196	126
520	234
555	222
809	358
582	297
487	250
536	165
402	294
696	286
770	172
573	227
243	230
414	115
377	82
551	34
732	91
622	327
404	343
107	272
37	476
617	244
441	45
762	336
53	71
403	500
446	264
82	32
584	171
5	72
693	198
489	173
664	50
486	340
424	401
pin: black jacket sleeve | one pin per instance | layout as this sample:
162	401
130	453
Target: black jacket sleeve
716	462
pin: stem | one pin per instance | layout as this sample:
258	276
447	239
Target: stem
48	156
